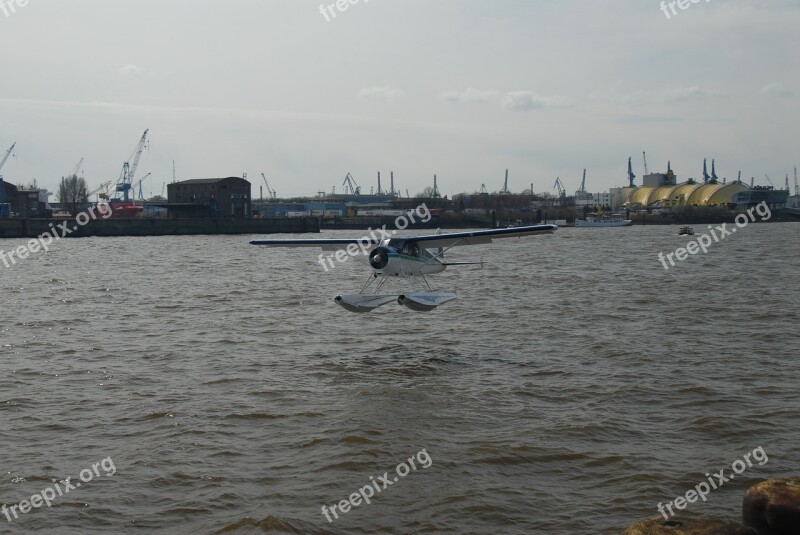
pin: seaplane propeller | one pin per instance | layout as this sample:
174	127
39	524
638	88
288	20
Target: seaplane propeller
409	258
379	257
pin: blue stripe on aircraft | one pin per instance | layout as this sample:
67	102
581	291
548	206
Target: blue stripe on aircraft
312	242
481	233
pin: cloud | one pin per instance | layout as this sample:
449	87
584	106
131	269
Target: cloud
776	89
384	93
471	95
527	100
512	100
694	92
133	70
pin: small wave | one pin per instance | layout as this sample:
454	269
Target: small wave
256	416
272	524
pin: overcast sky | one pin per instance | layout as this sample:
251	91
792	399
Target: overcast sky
460	88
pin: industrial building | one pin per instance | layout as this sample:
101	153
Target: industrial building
327	205
227	198
23	203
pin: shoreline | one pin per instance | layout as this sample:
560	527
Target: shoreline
32	228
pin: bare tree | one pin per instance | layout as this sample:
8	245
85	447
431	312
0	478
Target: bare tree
72	192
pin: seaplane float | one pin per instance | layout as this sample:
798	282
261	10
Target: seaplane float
410	258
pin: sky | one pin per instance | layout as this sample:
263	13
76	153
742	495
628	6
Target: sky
463	89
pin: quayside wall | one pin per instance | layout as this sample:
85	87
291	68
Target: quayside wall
32	228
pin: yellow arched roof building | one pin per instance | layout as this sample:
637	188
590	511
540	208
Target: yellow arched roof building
687	193
682	192
723	195
640	195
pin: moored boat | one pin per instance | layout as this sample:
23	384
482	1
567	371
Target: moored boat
603	220
124	209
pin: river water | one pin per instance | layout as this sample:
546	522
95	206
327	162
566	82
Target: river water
573	386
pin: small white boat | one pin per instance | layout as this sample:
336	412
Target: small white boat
603	220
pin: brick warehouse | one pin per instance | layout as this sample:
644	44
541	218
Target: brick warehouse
211	197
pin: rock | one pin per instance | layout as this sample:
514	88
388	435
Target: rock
687	526
773	506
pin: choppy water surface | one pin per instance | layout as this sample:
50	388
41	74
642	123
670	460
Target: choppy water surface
573	386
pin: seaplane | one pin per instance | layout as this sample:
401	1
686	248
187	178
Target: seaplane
409	258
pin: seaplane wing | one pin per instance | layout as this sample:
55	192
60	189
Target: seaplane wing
435	241
325	245
407	258
432	241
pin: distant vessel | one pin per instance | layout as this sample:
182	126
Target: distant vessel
603	220
124	209
686	231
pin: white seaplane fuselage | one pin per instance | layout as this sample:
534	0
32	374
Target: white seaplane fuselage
405	260
397	257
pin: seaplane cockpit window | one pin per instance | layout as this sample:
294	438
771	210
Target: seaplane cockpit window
397	245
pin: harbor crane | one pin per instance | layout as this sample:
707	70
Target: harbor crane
3	206
350	182
582	191
78	167
100	190
125	182
631	176
271	192
706	176
768	180
505	191
5	157
138	184
562	191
